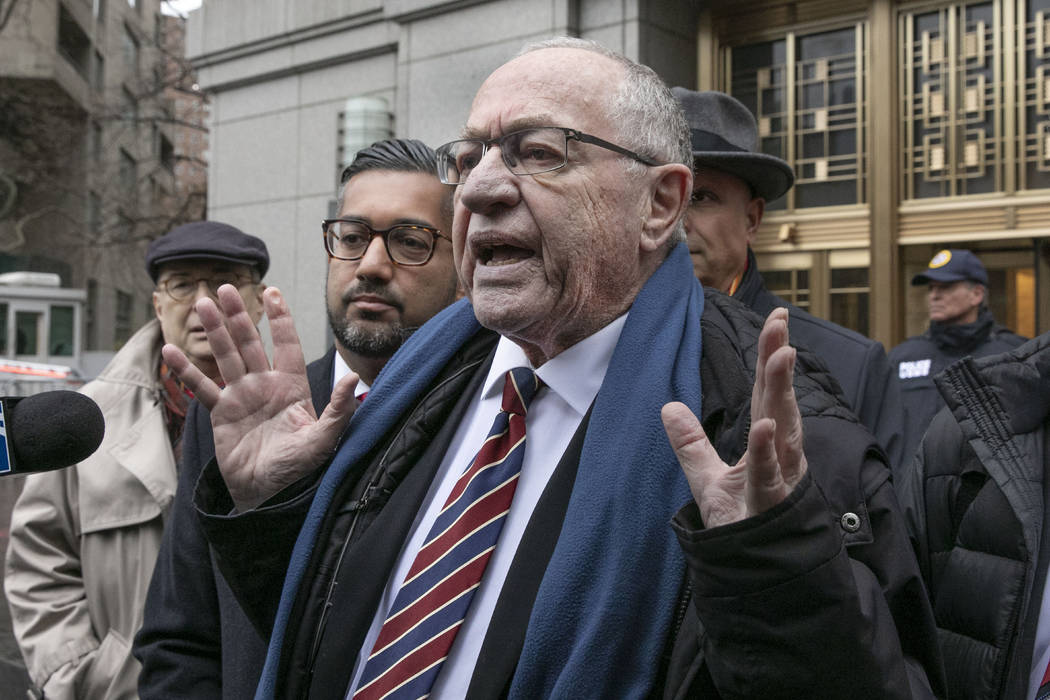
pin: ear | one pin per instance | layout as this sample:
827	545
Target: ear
257	310
755	209
669	196
156	304
981	293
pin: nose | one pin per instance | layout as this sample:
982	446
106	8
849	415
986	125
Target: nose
376	263
203	290
489	184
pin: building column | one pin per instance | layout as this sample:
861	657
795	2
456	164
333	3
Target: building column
884	177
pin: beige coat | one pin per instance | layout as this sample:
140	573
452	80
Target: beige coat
84	540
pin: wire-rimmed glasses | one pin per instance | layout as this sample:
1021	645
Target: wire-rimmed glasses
525	152
182	287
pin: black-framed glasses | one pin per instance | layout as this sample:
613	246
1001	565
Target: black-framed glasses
525	152
182	287
348	239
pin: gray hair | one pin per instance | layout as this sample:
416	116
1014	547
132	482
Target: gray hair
646	116
395	155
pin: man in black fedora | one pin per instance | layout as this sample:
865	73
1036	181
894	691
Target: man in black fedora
732	182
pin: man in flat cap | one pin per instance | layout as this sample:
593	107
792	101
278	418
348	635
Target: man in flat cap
84	539
960	324
732	182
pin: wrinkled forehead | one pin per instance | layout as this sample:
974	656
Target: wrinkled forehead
548	87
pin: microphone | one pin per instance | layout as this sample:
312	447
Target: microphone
50	430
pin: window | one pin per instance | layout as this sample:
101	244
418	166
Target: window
95	144
131	51
960	105
94	214
951	102
3	329
807	94
98	73
60	336
167	153
127	174
790	285
73	43
129	107
1035	98
27	332
91	315
122	320
364	120
125	225
850	297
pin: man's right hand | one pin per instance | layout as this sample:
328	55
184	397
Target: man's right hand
267	434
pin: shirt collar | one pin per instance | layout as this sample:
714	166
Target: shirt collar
340	370
575	374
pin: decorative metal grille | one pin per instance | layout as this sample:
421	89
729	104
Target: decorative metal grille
1034	131
807	94
951	82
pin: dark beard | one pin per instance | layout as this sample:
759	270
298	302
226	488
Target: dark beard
380	342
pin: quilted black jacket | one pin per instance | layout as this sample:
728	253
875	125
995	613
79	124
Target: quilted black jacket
976	504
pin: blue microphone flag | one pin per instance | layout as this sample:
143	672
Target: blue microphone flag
5	454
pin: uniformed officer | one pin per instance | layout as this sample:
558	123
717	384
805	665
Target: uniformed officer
960	325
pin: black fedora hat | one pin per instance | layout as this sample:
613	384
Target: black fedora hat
725	137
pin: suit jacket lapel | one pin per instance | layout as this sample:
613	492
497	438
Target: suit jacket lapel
319	375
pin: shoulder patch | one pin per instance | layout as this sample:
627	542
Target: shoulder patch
913	369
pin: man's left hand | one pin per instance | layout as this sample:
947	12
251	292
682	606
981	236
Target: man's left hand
774	462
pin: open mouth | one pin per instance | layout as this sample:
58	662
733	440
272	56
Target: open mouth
493	255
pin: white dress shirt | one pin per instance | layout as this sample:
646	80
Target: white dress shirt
573	378
340	369
1041	648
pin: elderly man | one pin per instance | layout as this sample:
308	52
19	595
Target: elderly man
960	325
429	559
389	270
84	540
731	185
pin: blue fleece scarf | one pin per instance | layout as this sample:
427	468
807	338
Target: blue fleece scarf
606	601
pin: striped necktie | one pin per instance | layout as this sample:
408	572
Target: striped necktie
435	596
1044	688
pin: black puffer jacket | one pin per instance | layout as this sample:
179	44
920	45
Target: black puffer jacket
976	505
918	359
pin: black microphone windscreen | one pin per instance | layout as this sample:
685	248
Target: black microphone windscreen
53	429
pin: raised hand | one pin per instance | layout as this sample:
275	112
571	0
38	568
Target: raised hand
267	434
774	462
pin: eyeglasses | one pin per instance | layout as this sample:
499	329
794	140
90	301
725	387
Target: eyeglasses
526	152
348	239
184	287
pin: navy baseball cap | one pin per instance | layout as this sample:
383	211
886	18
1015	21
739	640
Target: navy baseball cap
952	266
209	240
